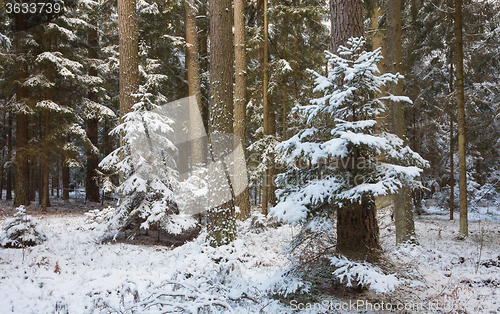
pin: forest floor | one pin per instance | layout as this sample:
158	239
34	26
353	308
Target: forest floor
72	273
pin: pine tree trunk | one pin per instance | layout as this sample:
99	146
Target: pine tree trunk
403	207
21	195
45	163
129	57
462	175
266	187
242	200
221	218
91	181
193	73
452	166
8	195
357	229
65	179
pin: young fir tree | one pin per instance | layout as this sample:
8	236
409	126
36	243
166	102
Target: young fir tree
333	161
146	163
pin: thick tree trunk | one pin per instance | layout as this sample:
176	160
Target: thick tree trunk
242	200
357	229
462	176
452	166
403	207
346	21
91	180
128	49
221	218
45	164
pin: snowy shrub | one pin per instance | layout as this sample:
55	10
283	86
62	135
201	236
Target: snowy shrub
146	163
363	274
21	231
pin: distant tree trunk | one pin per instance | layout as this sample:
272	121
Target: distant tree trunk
65	178
452	166
45	163
242	200
221	218
357	228
8	195
21	195
403	207
462	175
91	182
129	57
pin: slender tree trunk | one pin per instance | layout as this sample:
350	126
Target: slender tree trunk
403	207
193	73
45	162
8	195
462	175
65	179
357	229
452	166
128	49
242	200
267	110
21	196
221	218
91	180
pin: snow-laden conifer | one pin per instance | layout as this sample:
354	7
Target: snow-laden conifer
343	155
147	167
21	231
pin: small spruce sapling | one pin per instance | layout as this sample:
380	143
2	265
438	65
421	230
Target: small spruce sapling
147	167
343	155
21	231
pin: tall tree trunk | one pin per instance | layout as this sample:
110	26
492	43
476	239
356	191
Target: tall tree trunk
268	116
45	162
462	176
403	207
193	73
21	195
357	229
129	57
91	181
242	200
221	218
8	195
452	166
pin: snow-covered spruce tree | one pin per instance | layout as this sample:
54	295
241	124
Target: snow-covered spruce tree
343	159
21	231
146	164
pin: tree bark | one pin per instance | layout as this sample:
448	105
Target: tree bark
65	179
462	175
357	229
91	181
403	207
193	73
128	49
346	21
452	166
8	195
221	218
242	200
21	195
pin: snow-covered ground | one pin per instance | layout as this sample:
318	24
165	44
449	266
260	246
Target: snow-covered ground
70	273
